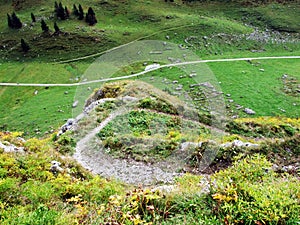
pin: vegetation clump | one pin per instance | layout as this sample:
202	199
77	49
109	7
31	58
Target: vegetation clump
13	21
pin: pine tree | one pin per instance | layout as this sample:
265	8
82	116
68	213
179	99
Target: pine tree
75	11
44	26
91	17
60	13
56	28
16	23
67	12
55	7
9	21
24	45
33	18
81	13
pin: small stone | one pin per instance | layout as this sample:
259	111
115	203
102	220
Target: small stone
249	111
55	167
262	70
74	105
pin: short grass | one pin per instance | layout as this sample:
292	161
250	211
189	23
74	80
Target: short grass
120	22
246	84
35	115
259	90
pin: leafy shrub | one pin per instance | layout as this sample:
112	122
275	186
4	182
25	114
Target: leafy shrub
37	192
160	105
42	215
250	192
9	190
34	145
264	127
136	207
65	143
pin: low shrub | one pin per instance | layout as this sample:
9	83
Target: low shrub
249	192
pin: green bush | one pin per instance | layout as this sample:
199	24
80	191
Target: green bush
65	143
250	192
42	215
160	105
37	192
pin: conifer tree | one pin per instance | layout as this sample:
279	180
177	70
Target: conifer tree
91	17
24	45
75	11
81	13
60	13
44	26
55	7
16	23
33	18
9	21
67	12
56	28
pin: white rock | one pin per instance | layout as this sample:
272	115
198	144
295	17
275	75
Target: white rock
75	104
249	111
152	67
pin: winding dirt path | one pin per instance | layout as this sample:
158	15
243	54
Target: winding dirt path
128	171
147	71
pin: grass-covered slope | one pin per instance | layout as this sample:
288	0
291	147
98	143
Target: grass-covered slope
33	191
40	182
154	126
210	29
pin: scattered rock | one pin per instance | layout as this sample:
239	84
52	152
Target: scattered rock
238	143
129	99
152	67
249	111
11	148
74	105
238	107
206	84
55	167
289	169
165	188
67	126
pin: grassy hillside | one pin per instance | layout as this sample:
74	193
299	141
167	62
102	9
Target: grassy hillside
211	30
40	183
253	177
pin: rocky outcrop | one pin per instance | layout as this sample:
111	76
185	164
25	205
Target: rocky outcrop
11	148
238	143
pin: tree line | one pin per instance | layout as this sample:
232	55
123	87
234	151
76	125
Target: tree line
60	12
